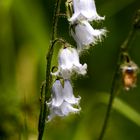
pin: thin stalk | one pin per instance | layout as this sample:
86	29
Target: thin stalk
43	110
41	107
126	45
25	121
113	92
55	19
115	87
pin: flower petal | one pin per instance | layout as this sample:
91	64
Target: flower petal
68	93
68	108
80	69
69	63
64	59
63	110
57	93
84	34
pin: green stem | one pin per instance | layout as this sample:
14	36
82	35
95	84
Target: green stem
115	87
55	18
41	106
43	110
114	90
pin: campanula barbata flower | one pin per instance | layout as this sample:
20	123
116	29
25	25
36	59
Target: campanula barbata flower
84	10
68	63
62	100
84	34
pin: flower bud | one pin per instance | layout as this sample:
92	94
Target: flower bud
129	74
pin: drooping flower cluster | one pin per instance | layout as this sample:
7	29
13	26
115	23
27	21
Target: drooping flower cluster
63	101
81	30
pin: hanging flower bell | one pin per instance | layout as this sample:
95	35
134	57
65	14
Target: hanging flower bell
129	74
69	63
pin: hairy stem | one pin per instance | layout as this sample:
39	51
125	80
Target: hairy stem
115	87
55	19
43	109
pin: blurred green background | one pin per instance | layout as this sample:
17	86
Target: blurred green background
25	31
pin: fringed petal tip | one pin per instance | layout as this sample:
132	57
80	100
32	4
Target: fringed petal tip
64	73
73	100
97	37
101	33
68	108
99	18
81	69
84	69
64	110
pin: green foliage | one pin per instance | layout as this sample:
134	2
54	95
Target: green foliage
25	30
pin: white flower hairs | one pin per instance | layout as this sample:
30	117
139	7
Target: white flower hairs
84	35
62	101
81	30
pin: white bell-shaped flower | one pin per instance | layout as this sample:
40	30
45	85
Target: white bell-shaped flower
84	34
84	10
62	100
68	93
68	63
